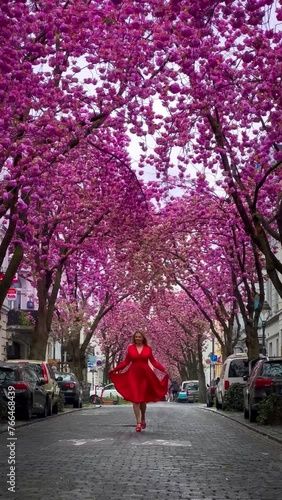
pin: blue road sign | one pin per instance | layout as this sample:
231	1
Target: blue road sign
90	364
213	358
98	362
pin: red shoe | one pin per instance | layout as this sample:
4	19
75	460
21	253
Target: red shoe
138	428
143	425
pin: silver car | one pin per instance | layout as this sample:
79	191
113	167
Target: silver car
192	389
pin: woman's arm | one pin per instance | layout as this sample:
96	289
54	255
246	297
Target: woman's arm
155	363
122	365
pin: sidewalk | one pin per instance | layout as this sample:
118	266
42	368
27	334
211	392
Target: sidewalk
34	420
273	432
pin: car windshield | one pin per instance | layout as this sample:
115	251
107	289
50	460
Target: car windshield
272	369
38	369
238	368
7	375
192	387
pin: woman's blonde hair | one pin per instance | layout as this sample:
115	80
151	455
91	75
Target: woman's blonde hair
145	341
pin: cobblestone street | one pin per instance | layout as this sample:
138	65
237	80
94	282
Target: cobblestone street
186	452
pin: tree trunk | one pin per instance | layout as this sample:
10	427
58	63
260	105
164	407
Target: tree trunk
201	372
192	366
40	333
106	366
252	342
182	372
39	340
227	347
76	359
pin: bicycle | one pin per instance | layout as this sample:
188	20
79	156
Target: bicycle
95	401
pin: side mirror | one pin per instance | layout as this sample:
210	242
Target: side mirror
207	385
59	379
246	378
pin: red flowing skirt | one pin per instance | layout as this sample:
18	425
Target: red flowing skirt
140	384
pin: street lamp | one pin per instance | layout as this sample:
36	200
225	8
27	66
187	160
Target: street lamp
266	309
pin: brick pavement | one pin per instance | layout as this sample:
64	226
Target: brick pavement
185	453
22	423
273	432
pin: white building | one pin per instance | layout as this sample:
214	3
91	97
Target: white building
273	324
18	314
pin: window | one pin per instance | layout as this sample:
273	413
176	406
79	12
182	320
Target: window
67	377
29	376
270	349
38	370
272	369
7	375
238	368
32	375
192	387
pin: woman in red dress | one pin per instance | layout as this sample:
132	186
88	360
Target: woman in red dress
139	384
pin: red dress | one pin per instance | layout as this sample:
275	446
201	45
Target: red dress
139	383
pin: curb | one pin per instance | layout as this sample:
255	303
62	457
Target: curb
247	426
37	420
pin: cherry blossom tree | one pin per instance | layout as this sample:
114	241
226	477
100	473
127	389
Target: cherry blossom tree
115	332
179	333
222	102
71	73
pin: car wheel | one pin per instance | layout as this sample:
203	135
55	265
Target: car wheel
252	414
56	408
27	412
246	413
50	408
76	403
45	409
217	404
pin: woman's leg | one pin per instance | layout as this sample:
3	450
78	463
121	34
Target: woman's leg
143	408
137	413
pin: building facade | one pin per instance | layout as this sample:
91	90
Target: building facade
273	324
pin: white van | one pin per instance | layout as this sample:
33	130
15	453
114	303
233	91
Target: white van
233	370
186	382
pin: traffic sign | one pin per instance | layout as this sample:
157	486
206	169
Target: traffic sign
98	362
90	364
12	294
14	280
213	358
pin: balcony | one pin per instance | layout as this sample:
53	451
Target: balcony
22	320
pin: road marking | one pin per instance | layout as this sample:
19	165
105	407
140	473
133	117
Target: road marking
163	442
80	442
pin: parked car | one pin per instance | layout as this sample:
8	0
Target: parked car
192	389
264	380
71	389
233	371
45	372
31	396
107	392
185	382
182	396
210	394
